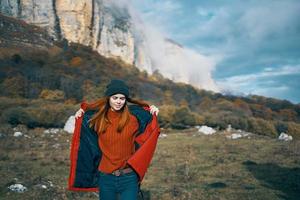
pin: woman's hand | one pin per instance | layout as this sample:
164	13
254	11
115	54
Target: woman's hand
154	110
79	113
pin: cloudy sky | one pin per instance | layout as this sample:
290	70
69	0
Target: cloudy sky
255	44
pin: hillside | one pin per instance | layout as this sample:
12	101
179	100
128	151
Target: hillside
42	82
186	165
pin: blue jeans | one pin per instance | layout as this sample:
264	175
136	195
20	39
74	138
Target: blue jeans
125	185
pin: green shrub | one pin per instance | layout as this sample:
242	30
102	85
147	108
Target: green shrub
183	117
39	114
165	115
212	121
293	129
237	122
262	127
14	86
15	115
281	127
7	102
219	120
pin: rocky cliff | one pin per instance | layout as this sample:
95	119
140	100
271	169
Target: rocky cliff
110	29
95	23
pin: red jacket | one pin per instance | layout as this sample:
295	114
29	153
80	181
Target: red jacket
85	152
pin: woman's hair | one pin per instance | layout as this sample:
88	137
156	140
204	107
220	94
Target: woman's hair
100	121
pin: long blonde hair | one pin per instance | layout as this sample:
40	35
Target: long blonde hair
99	121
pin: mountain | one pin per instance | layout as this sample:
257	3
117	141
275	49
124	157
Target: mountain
91	23
115	31
42	81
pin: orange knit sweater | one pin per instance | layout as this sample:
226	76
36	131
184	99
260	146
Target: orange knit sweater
116	147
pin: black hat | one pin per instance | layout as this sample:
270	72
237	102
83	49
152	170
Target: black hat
117	87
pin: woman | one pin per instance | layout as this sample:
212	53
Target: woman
113	144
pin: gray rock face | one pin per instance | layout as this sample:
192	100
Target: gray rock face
113	31
41	13
94	23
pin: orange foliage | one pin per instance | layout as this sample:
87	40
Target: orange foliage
241	104
262	111
288	114
52	94
75	61
206	103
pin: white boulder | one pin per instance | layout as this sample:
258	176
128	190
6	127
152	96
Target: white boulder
285	137
41	186
44	186
18	134
17	188
234	136
238	134
70	124
206	130
162	135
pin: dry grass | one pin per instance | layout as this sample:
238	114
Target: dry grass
186	165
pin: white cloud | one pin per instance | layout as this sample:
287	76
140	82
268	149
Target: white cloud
263	83
276	18
268	69
267	73
275	91
158	13
243	26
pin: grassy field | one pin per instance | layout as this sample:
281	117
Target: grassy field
186	165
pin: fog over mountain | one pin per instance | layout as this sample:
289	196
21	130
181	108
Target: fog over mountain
255	45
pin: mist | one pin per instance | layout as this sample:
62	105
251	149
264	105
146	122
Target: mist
171	59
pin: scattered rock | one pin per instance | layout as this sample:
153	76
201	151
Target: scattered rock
229	128
21	128
18	134
70	124
234	136
17	188
285	137
41	186
206	130
56	146
238	135
162	135
50	184
51	131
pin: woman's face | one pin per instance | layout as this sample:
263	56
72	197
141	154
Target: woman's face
117	101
